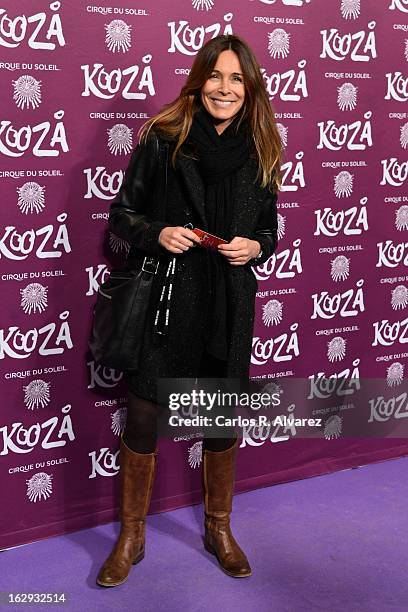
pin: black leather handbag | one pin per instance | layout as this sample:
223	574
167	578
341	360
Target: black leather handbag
119	315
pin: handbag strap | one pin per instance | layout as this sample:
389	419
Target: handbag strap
151	260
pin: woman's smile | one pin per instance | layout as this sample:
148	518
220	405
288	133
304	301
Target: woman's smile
219	102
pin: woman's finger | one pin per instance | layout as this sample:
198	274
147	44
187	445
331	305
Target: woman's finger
234	254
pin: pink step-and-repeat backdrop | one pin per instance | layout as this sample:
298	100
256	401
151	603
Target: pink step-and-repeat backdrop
77	81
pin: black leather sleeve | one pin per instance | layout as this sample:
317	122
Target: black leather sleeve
127	215
267	228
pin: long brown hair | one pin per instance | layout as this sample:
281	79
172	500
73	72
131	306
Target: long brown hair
175	119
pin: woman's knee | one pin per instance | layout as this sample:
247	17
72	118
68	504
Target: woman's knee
140	433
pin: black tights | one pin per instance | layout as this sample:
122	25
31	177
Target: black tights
140	433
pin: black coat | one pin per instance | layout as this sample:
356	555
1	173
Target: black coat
135	216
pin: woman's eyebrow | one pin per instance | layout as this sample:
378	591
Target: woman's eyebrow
239	73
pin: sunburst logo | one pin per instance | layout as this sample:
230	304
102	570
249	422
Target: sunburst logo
283	133
343	184
336	349
117	244
31	198
34	298
350	9
347	96
203	5
120	139
27	92
37	394
395	374
118	36
340	268
39	486
278	43
333	427
118	420
404	136
281	226
401	218
399	297
272	312
271	388
195	454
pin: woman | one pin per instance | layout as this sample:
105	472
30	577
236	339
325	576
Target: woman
222	176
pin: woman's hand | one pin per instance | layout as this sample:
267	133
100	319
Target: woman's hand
240	250
178	239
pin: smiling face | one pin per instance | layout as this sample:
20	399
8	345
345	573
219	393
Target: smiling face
223	94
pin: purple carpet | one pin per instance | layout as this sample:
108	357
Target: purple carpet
333	542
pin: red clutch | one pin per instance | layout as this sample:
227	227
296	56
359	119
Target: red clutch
208	241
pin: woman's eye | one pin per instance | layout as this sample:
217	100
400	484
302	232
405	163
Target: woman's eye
234	78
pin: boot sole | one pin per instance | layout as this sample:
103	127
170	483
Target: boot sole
211	550
113	584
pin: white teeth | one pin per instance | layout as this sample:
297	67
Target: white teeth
222	102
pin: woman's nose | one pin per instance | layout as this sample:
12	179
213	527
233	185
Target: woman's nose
224	86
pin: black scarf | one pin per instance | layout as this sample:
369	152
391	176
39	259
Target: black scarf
220	156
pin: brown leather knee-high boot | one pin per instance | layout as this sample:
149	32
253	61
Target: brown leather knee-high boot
137	472
218	483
